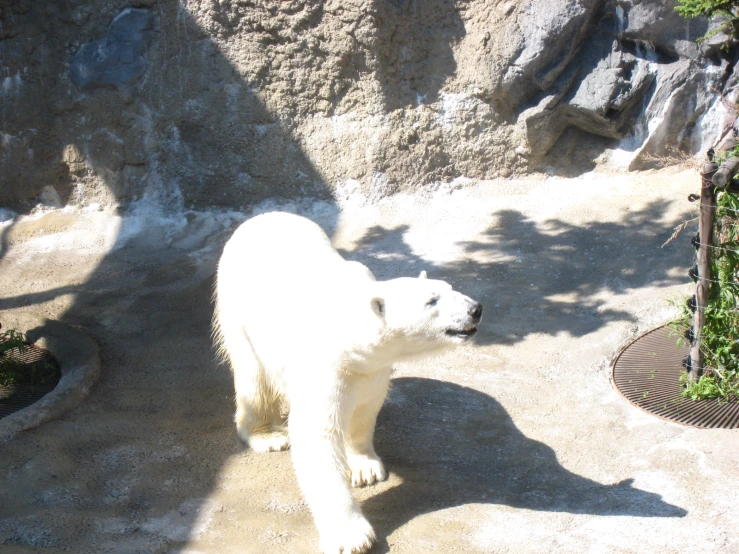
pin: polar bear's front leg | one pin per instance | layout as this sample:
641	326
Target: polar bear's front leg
319	460
365	465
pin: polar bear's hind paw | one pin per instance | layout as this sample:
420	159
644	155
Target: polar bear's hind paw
267	442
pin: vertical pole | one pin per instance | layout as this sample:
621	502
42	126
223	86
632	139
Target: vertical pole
702	287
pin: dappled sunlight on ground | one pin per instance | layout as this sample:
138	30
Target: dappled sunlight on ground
520	431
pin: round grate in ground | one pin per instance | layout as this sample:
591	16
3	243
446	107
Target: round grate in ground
647	374
36	365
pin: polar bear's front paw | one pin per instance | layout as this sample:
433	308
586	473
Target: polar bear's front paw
355	536
365	469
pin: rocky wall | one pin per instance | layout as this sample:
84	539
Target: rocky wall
203	103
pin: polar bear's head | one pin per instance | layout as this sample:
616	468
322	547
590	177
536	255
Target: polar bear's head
425	315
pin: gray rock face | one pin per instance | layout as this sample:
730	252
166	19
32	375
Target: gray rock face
203	103
637	76
551	35
117	59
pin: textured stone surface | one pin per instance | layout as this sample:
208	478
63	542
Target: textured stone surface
224	103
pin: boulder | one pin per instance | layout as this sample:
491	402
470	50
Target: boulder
117	59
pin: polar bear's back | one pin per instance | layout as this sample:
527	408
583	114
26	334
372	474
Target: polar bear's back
276	254
279	279
281	241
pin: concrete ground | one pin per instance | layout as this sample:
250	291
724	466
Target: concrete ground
517	444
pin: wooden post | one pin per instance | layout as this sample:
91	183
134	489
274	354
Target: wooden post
702	286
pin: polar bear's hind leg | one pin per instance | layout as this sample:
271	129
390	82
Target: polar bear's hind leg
268	442
259	424
259	421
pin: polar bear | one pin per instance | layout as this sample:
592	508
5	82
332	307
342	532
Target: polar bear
309	333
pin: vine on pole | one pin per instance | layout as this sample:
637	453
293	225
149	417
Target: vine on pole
712	313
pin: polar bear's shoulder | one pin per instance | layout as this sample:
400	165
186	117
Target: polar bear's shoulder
357	271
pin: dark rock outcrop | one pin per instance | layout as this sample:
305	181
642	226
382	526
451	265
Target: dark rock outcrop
117	59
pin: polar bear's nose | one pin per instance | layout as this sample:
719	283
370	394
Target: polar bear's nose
476	311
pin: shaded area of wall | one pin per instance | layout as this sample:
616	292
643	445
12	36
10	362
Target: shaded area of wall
188	132
92	116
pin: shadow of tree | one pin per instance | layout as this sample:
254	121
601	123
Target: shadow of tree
146	448
189	124
453	445
542	278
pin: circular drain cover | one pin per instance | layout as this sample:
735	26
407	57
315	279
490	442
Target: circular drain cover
46	374
647	374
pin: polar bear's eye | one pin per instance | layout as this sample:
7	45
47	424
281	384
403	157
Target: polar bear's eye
432	302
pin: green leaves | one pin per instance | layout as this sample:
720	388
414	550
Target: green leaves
725	9
706	387
720	335
707	8
11	339
15	371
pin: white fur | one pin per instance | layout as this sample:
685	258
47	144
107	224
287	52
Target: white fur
307	332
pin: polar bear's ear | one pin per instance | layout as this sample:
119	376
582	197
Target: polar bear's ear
378	306
423	275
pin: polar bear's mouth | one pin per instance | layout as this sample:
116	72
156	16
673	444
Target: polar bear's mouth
465	333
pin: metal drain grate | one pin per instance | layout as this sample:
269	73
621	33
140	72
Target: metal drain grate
647	374
17	397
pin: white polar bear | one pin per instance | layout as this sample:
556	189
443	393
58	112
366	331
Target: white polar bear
306	331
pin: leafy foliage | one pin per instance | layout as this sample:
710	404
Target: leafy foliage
705	387
720	335
14	371
728	10
11	339
11	370
708	8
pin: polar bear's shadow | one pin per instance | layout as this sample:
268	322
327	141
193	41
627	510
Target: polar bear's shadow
453	445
